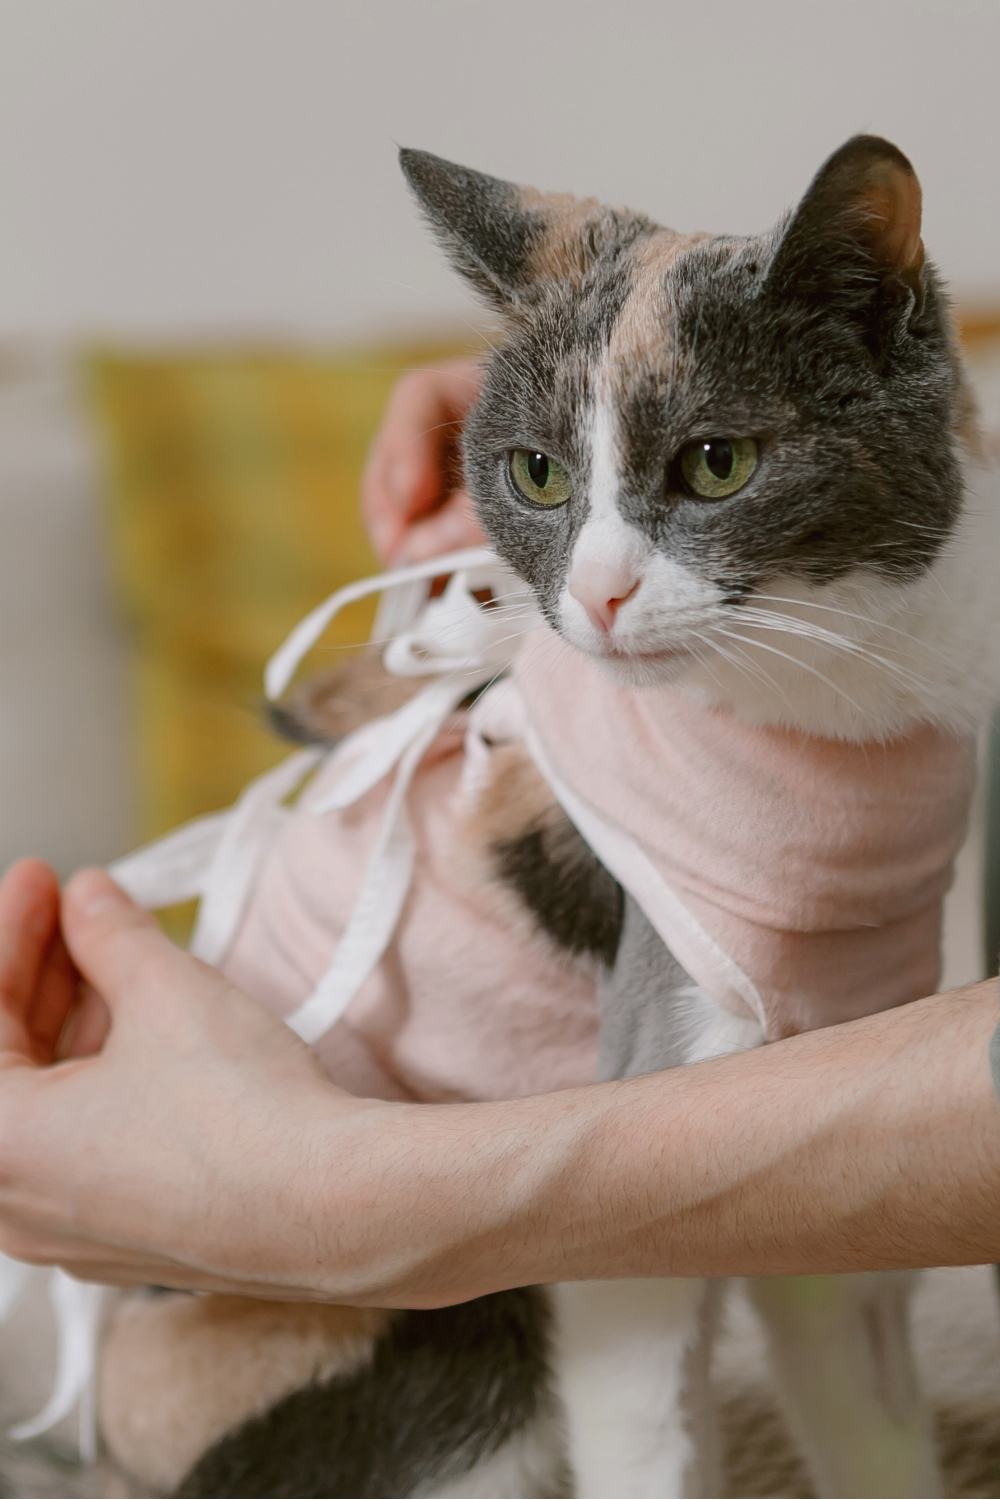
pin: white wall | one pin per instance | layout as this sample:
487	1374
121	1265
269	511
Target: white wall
219	164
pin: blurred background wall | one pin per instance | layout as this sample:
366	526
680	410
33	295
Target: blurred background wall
229	164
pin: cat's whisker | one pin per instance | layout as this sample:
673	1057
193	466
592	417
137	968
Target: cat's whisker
904	679
484	688
851	614
942	531
509	611
934	578
502	609
700	659
719	650
507	355
796	662
766	620
513	594
746	667
797	561
515	635
807	630
376	642
908	684
440	426
424	294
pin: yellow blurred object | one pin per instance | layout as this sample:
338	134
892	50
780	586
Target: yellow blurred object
232	480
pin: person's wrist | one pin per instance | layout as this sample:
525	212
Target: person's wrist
332	1150
423	1205
407	1198
356	1227
501	1192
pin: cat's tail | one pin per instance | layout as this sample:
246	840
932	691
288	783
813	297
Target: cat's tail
326	708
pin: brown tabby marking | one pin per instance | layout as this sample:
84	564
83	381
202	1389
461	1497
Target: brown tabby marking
639	333
560	254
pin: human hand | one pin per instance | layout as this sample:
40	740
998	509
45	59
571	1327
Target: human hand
180	1135
412	499
170	1147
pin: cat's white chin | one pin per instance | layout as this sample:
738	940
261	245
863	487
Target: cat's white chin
645	668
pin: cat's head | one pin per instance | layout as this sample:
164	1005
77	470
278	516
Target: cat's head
678	427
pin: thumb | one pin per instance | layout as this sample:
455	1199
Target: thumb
112	941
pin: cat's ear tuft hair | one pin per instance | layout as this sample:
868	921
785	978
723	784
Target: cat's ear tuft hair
509	240
856	232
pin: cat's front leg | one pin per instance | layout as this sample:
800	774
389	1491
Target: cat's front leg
631	1365
632	1357
841	1351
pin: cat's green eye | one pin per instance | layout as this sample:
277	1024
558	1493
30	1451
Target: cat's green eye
539	478
715	468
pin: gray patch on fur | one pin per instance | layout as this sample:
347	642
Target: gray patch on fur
639	999
570	894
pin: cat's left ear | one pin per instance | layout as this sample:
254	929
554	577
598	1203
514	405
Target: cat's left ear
506	239
856	232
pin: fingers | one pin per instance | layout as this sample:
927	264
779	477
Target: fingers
405	472
410	468
29	911
86	1028
55	997
116	945
446	530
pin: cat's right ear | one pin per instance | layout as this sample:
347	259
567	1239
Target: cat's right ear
854	239
481	222
506	239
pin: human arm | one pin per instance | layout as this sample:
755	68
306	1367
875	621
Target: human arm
867	1146
202	1147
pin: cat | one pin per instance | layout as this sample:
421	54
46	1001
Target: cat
744	469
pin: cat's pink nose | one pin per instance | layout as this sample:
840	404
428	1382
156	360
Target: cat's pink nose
602	588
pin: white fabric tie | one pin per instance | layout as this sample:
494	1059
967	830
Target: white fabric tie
79	1309
476	567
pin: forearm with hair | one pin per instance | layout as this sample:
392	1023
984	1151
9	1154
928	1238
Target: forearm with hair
865	1146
